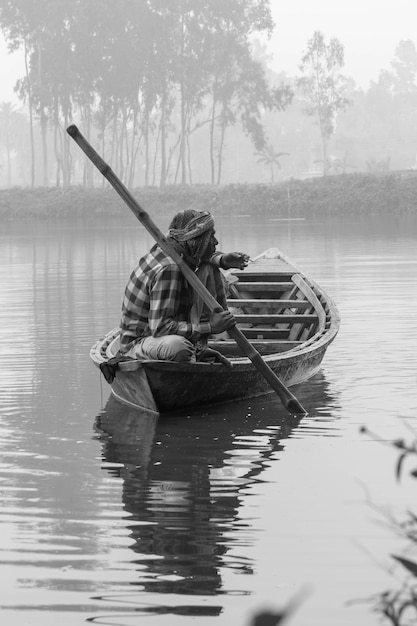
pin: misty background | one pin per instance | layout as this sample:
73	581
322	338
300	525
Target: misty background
191	93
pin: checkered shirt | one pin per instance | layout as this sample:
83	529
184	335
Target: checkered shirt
158	300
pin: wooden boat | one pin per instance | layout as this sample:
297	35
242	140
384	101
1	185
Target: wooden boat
288	318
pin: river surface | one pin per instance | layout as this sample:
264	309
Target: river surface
111	517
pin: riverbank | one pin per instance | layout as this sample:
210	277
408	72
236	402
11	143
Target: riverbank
346	194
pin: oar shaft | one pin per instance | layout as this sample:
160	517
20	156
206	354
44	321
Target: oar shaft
288	399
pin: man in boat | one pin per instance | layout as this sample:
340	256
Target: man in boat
162	318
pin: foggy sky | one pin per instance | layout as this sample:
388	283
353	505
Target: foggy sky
370	31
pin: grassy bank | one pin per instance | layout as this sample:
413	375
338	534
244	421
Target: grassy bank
347	194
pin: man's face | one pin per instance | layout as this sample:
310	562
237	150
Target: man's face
211	246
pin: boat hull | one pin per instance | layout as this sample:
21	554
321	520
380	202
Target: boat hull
163	387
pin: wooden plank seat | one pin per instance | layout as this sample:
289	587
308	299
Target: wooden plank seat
264	286
260	332
263	276
277	318
277	305
264	346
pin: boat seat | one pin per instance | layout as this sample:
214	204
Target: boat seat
249	303
265	286
229	348
285	318
247	276
260	332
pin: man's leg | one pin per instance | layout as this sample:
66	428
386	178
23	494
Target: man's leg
168	348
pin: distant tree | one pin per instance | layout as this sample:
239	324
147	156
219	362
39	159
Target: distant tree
400	85
16	21
268	156
7	112
323	85
30	107
212	70
404	69
383	119
240	91
39	29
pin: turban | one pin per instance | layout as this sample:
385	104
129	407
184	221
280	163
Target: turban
190	224
190	233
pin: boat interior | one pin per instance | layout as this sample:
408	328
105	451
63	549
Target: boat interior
275	308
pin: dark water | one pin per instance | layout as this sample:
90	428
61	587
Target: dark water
112	517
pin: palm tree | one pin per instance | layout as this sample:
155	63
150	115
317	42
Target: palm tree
269	157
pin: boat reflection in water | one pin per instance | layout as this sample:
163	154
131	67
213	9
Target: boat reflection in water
184	478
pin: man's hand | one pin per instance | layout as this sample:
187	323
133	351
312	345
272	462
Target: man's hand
220	321
239	260
210	355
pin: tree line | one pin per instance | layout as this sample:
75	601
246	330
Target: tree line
178	92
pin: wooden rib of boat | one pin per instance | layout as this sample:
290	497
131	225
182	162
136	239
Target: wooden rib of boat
287	317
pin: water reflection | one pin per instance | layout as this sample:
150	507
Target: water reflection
184	479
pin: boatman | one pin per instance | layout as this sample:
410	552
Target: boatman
162	317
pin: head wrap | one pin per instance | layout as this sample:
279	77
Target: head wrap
189	224
190	232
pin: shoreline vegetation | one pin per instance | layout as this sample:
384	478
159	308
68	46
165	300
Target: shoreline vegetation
345	194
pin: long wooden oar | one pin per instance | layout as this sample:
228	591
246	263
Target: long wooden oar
288	399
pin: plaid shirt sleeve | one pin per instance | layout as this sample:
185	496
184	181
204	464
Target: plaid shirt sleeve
165	307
